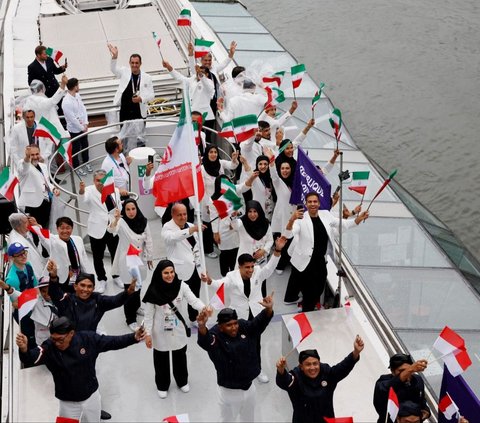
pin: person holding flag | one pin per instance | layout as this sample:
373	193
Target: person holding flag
166	302
311	384
132	229
44	69
407	385
118	163
269	115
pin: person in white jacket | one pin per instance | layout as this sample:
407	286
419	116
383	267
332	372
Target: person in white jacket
166	302
244	286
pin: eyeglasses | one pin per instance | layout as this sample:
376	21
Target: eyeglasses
23	253
59	339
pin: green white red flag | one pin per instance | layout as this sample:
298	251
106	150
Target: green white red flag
227	130
384	185
318	95
56	55
8	182
336	123
275	78
26	302
274	96
157	39
218	300
245	127
108	185
202	47
297	72
47	129
65	150
359	182
229	201
185	18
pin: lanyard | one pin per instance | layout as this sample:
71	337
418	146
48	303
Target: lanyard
136	86
75	251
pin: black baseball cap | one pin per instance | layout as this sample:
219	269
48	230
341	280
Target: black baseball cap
397	360
227	314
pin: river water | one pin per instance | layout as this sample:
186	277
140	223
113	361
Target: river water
406	76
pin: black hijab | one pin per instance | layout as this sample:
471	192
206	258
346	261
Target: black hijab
160	292
266	177
258	228
281	158
212	168
139	222
288	181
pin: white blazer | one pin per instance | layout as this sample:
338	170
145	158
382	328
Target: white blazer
146	86
248	245
33	184
18	141
59	252
35	257
301	248
283	209
234	285
179	250
99	217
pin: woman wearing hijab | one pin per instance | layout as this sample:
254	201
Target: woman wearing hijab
166	302
132	229
262	188
212	167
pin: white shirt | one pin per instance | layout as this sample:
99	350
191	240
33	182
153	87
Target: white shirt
121	171
75	113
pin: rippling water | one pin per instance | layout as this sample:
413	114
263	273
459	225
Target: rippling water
406	75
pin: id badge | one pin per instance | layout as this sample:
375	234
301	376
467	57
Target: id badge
169	323
73	278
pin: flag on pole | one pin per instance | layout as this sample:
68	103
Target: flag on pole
47	129
336	122
26	302
392	404
108	185
185	18
457	362
8	182
157	39
61	419
275	78
274	96
65	150
385	183
318	94
202	47
448	341
218	300
54	54
447	407
229	201
338	419
173	179
299	328
227	130
133	257
359	182
244	127
179	418
41	232
297	72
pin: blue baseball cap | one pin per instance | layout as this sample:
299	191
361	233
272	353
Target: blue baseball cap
15	248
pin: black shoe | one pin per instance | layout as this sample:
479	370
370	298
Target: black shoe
104	415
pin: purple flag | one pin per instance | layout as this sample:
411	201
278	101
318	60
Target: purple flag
461	394
308	178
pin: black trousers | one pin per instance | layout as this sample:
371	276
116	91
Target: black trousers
131	306
227	260
284	257
161	363
41	213
312	283
98	251
194	283
78	145
208	238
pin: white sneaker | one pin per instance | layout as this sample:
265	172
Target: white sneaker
100	286
263	378
117	281
279	271
141	312
133	326
162	394
290	302
185	388
81	172
212	255
89	168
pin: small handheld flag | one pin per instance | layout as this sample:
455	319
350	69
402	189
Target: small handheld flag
185	18
218	300
26	302
338	419
297	72
202	47
274	96
336	123
275	78
108	185
47	129
179	418
299	328
392	404
158	41
8	182
385	183
244	127
54	54
448	407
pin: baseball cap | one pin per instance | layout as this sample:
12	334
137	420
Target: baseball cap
15	248
306	354
43	281
61	325
227	314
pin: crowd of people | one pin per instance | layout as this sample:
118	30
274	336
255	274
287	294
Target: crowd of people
265	235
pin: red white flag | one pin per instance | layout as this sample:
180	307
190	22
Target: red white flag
448	407
449	341
299	328
60	419
392	404
26	302
133	257
457	362
179	418
218	300
338	419
41	232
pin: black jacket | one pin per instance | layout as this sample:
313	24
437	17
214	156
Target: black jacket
73	370
312	399
36	71
236	359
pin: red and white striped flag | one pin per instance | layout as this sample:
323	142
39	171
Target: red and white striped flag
26	302
448	407
133	257
179	418
392	404
299	328
338	419
41	232
185	18
449	341
61	419
457	362
218	300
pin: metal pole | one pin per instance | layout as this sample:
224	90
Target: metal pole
340	271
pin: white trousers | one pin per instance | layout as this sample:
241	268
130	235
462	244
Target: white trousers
87	411
237	403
